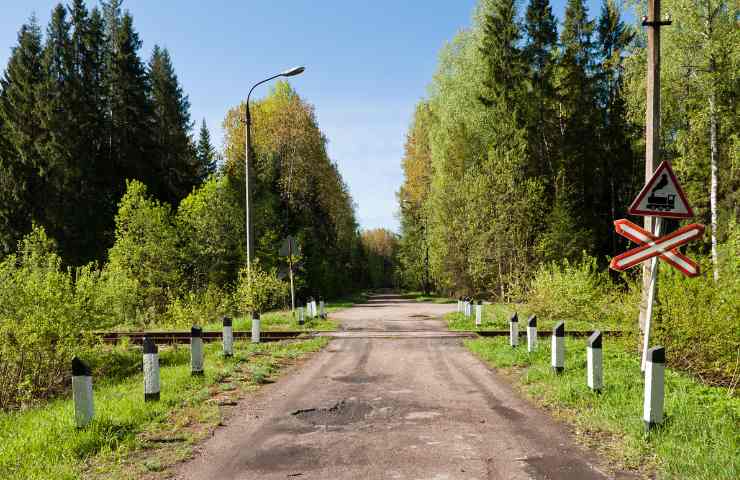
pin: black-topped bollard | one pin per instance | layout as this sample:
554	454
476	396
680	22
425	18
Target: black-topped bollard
196	351
479	313
151	370
228	337
594	372
82	392
652	412
558	347
532	333
514	330
255	328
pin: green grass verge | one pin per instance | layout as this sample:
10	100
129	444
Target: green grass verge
496	317
132	439
699	439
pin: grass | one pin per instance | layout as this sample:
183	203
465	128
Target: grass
496	317
132	439
699	439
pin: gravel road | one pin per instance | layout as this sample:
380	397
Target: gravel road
419	406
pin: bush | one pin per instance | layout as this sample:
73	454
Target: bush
41	317
199	307
146	250
579	291
259	291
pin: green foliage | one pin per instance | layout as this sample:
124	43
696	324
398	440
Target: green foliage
580	291
146	248
210	223
258	289
199	307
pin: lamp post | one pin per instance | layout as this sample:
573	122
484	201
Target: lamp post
248	166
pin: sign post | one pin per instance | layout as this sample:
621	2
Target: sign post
288	249
662	196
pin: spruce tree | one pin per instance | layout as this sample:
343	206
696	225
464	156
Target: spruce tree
205	153
174	157
539	52
20	163
504	62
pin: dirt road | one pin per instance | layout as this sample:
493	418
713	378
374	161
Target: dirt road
391	408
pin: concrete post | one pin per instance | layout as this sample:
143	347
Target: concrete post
228	337
322	312
558	347
82	392
151	371
594	371
301	318
255	328
514	330
479	313
196	351
532	333
654	387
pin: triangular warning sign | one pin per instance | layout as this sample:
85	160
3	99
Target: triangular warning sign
662	196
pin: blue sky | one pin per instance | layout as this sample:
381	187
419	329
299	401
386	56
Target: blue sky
368	62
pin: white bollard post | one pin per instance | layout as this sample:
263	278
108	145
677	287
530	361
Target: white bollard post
151	371
654	387
514	330
255	328
322	311
82	392
558	347
478	313
228	337
532	333
301	319
594	362
314	310
459	305
196	351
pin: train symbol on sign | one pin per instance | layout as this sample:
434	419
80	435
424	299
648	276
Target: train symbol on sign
665	202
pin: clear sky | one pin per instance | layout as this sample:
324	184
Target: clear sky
368	62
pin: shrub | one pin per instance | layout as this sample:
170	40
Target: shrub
41	318
258	291
146	249
579	291
199	307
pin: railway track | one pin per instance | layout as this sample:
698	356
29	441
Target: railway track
183	337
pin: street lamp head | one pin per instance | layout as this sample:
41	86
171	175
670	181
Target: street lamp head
293	72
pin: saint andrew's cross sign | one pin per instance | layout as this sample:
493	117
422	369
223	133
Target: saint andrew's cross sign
662	196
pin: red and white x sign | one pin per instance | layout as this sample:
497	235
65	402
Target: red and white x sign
651	246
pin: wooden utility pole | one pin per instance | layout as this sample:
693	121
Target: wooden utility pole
652	129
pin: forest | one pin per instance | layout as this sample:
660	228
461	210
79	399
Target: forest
530	144
116	213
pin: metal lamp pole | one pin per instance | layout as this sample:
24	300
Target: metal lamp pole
248	180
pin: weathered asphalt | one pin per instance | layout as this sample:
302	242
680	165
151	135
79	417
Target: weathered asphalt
390	408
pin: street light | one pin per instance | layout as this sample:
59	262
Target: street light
248	165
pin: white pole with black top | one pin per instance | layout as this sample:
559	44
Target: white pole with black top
82	392
255	328
228	337
514	330
196	351
532	333
478	313
594	362
151	371
654	387
558	347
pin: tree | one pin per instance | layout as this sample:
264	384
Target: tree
205	153
173	157
21	130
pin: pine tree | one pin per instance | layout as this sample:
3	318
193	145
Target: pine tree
205	153
174	156
20	122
